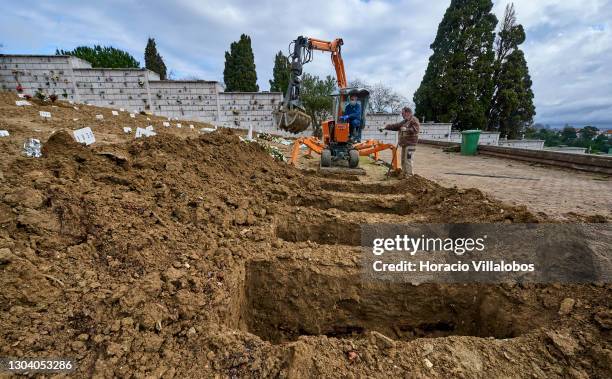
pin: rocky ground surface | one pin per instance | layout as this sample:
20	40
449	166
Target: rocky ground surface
187	255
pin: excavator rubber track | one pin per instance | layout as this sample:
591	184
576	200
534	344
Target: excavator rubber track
292	120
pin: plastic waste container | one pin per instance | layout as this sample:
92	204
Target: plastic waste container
469	142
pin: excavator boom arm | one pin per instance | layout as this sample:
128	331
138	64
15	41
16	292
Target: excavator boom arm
302	54
334	47
291	116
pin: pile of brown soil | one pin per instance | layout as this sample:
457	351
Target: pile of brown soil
25	122
203	257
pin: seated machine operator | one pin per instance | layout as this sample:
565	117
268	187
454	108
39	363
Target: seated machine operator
352	114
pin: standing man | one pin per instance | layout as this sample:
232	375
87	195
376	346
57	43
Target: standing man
408	136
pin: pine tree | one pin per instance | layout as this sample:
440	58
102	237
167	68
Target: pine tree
239	74
457	86
154	61
102	56
280	74
512	108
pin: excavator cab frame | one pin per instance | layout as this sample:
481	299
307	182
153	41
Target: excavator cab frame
341	100
336	133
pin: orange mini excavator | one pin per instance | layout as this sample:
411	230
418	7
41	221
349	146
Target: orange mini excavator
335	144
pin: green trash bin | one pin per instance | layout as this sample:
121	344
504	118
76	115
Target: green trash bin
469	142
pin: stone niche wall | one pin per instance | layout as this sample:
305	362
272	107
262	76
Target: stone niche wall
435	132
241	109
429	131
194	100
377	121
138	90
115	88
51	74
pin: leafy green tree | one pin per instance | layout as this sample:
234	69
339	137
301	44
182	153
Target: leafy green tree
568	135
315	95
511	108
588	133
551	137
102	56
239	74
589	138
154	61
457	86
280	74
602	144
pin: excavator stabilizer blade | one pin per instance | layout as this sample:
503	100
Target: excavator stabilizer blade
292	120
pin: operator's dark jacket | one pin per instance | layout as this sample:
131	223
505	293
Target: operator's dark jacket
410	136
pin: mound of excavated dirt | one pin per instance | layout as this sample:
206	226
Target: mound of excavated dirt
183	256
25	122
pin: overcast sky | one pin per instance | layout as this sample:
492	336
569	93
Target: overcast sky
568	47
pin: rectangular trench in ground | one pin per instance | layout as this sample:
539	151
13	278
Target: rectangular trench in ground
284	300
360	187
322	230
400	204
327	228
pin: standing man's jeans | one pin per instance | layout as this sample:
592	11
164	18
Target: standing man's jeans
407	160
355	130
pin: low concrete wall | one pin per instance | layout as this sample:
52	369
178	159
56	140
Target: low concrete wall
439	143
591	163
532	144
567	150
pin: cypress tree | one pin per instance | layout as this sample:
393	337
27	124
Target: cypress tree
280	74
457	86
239	73
512	108
154	61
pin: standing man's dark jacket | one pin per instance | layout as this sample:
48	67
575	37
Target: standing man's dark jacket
409	136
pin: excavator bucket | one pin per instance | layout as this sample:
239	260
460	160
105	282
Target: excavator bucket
292	120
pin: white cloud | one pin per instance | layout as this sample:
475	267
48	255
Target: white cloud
568	48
